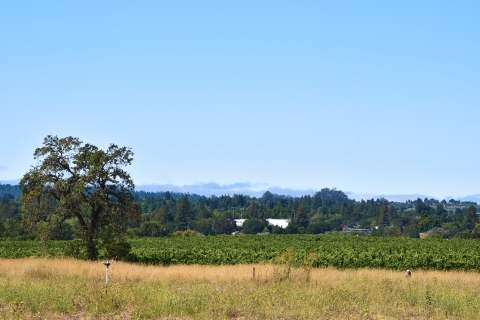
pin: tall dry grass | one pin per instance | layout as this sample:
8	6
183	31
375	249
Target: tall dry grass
65	288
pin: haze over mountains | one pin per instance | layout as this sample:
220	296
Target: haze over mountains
258	189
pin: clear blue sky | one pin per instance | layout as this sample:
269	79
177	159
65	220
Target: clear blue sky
371	97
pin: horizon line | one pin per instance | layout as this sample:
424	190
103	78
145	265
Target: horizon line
258	189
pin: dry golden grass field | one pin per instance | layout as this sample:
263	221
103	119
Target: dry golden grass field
73	289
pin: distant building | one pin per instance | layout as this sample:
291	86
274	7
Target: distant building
239	222
355	230
282	223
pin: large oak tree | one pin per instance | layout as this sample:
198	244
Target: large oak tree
80	181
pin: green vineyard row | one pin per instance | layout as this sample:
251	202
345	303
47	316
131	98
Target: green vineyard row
320	251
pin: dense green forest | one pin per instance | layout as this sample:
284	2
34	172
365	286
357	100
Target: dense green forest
328	211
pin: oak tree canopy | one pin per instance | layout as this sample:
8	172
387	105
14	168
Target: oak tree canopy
73	180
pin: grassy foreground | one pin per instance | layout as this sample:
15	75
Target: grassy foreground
65	288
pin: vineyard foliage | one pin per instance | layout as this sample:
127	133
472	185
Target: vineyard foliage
339	252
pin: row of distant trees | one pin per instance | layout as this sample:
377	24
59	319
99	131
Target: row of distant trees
326	211
166	212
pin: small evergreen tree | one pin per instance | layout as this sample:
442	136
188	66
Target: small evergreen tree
184	216
470	218
301	216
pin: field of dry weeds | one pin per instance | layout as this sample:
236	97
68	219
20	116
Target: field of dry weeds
71	289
